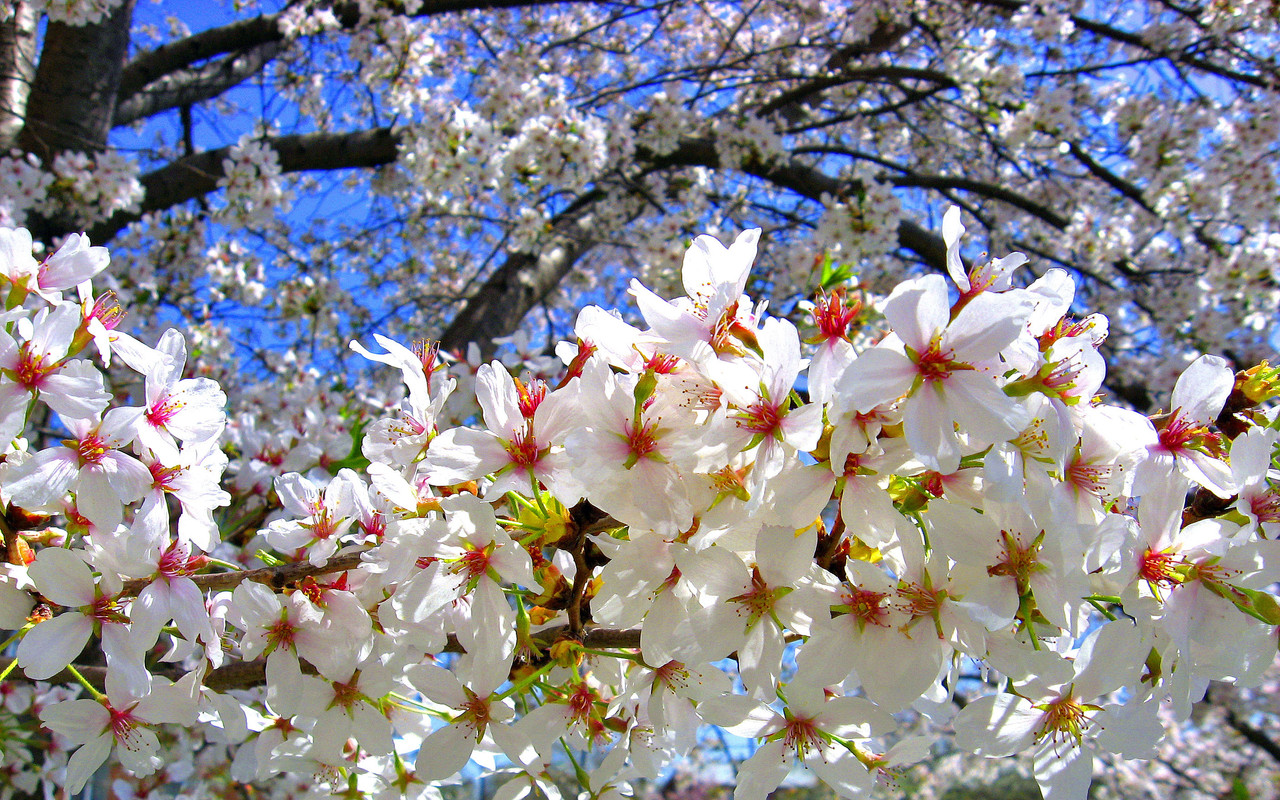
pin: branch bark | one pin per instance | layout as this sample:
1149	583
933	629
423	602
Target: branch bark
190	86
275	577
237	37
73	98
522	282
197	175
248	674
17	70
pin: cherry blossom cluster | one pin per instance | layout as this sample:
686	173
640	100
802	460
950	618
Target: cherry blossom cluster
800	527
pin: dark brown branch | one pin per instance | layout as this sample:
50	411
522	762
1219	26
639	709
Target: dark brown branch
17	69
248	674
811	89
186	87
1110	178
236	37
1136	41
1254	736
275	577
522	282
74	95
197	175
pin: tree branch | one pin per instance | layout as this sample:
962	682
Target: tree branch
522	282
197	175
17	69
248	674
74	95
1254	736
274	577
189	86
236	37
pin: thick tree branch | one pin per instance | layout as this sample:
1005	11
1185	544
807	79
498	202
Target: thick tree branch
17	69
522	282
274	577
788	102
1108	177
149	67
197	175
74	96
808	182
1266	79
1254	736
248	674
190	86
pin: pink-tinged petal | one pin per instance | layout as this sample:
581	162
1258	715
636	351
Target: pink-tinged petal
982	408
827	657
918	310
138	751
77	720
75	391
150	611
952	230
1064	770
763	772
370	728
127	675
963	534
880	375
496	393
1202	389
1209	472
190	614
15	605
930	429
43	479
689	336
740	715
464	454
445	752
997	725
513	743
129	478
96	500
987	325
171	703
895	683
760	659
62	576
802	427
16	260
784	555
85	761
843	772
437	684
14	400
708	263
74	263
659	642
1108	659
49	647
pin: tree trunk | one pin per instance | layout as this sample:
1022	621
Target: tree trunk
73	98
17	70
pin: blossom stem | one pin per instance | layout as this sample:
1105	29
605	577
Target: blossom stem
614	654
520	500
97	695
537	495
1102	609
581	774
21	632
519	686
